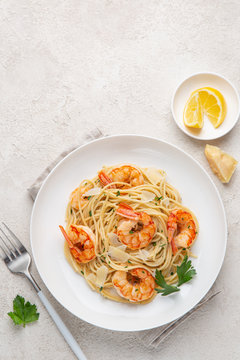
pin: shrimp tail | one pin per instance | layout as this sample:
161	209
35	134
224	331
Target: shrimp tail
171	231
174	247
105	180
66	237
127	212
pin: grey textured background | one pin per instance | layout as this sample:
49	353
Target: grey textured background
68	66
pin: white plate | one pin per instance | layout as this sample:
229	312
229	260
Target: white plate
70	289
194	82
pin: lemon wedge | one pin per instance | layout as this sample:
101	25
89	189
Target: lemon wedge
205	101
193	114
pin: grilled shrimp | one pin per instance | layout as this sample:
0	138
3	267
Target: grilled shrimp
136	232
81	242
77	196
135	285
125	173
181	229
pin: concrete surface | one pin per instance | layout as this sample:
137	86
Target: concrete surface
68	66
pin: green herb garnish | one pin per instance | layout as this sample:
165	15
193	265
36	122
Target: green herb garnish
90	213
118	193
82	272
131	232
185	271
166	289
158	198
89	197
24	313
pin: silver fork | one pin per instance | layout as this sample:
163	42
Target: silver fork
18	261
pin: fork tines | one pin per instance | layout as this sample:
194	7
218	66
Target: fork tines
11	245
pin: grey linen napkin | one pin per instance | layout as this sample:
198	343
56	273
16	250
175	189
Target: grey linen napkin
150	338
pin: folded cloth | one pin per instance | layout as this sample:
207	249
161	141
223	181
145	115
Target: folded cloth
34	188
154	337
150	338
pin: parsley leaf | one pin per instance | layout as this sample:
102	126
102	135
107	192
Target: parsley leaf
185	271
118	193
166	289
23	313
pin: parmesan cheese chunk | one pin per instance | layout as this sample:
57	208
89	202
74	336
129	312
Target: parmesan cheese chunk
144	254
92	278
221	163
147	196
154	175
118	254
102	273
113	238
93	191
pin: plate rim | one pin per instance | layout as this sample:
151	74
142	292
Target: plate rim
206	73
115	328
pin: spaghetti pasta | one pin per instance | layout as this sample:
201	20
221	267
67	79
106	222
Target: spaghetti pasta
95	204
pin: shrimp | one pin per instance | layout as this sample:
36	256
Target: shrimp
81	242
181	229
135	285
77	196
138	231
125	173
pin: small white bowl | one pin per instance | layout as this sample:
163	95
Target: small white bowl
199	80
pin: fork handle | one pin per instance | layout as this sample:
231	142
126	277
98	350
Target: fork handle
62	327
